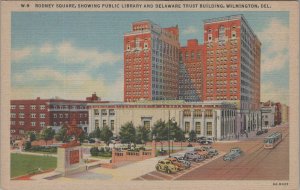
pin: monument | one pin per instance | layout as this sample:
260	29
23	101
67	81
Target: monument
69	155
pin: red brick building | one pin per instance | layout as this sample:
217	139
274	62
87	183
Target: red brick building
231	71
191	61
36	114
151	56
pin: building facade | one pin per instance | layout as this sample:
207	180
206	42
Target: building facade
268	110
231	71
151	68
212	119
191	59
36	114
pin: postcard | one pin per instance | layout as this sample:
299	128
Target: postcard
149	94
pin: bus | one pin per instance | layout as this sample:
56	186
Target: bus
272	140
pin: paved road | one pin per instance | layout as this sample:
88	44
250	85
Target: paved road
256	163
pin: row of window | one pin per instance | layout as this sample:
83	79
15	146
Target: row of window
32	124
104	123
198	128
32	107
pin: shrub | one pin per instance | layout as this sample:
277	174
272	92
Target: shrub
94	151
27	145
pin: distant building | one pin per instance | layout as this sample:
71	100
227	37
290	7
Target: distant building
36	114
268	114
151	56
284	113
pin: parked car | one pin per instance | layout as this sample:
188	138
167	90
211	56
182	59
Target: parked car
206	140
181	159
259	133
176	163
193	156
265	130
234	153
166	166
211	151
201	151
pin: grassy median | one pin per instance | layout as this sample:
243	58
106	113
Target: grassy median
22	164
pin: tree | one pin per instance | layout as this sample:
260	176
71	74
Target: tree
31	136
142	134
47	134
192	136
106	134
127	133
27	145
62	135
160	130
96	133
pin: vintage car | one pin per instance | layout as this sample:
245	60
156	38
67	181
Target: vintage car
166	166
211	151
259	133
206	140
234	153
176	163
181	159
202	152
193	156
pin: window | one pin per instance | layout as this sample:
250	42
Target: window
209	37
111	112
21	107
112	125
60	115
13	107
32	123
42	124
104	123
187	127
96	123
198	127
32	107
233	34
66	115
222	33
21	122
55	115
12	122
12	115
209	128
96	112
32	115
42	107
21	115
147	124
103	112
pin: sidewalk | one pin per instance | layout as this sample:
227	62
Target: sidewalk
125	173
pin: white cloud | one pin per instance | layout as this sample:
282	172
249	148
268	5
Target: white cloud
46	48
275	41
19	54
71	54
190	30
65	85
269	91
67	53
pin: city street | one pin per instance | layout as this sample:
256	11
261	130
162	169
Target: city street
256	163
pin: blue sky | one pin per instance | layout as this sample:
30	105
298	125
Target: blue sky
72	54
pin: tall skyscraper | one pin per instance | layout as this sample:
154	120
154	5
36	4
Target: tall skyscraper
190	73
151	56
231	71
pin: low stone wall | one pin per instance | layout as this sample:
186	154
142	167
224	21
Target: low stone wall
119	156
165	144
43	142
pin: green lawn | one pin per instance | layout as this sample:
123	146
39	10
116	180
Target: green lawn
22	164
